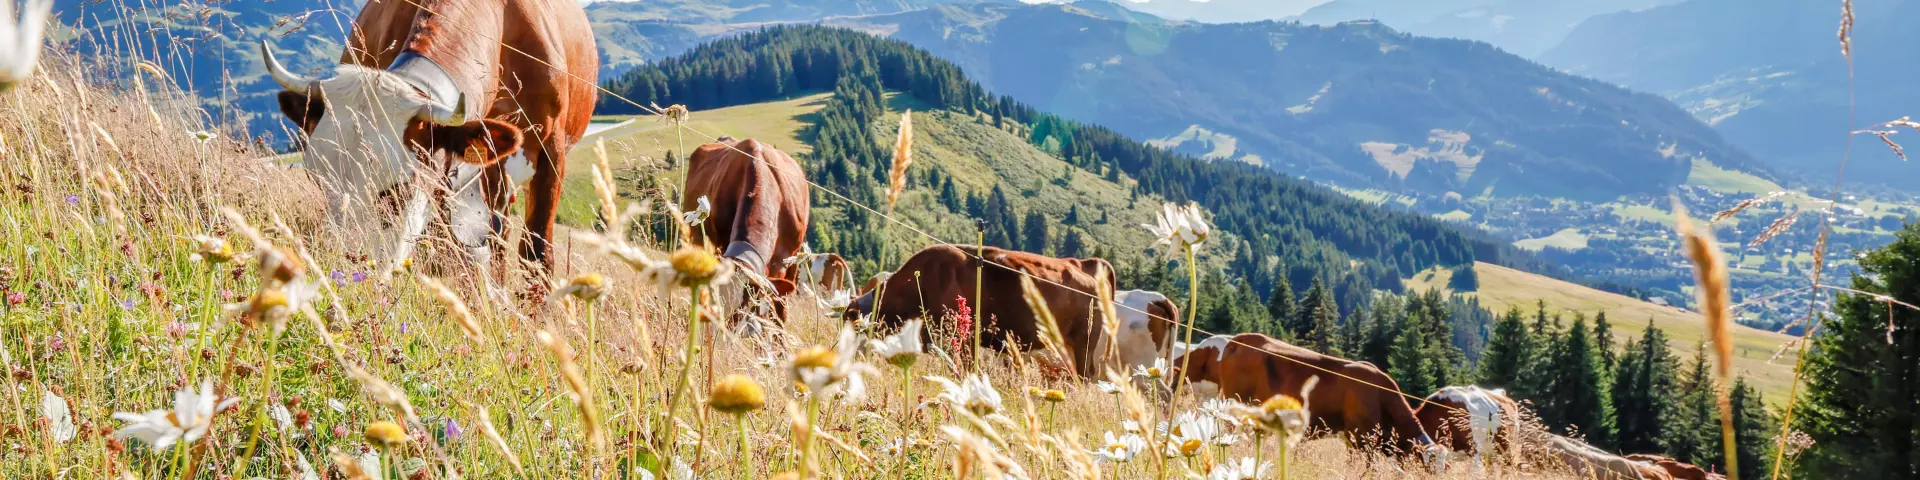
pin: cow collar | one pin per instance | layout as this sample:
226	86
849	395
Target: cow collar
427	76
744	252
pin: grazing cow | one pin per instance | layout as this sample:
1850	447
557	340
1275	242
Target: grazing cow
1145	319
20	43
942	274
1677	469
1590	462
1251	367
873	283
825	272
1471	420
758	197
503	87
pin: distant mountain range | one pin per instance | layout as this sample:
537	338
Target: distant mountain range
1524	27
1768	74
1355	103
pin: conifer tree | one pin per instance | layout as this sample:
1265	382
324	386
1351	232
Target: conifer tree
1578	399
1302	319
1411	368
1508	353
1643	397
1861	401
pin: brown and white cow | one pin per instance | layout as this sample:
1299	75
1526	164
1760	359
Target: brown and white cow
1146	318
504	87
1471	420
1588	461
757	196
1677	469
1252	368
942	274
759	202
821	273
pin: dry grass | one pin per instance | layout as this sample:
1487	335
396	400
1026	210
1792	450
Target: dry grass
108	311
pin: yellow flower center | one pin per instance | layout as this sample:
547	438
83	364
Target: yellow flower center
695	266
386	434
1056	396
1280	403
815	357
1190	447
737	394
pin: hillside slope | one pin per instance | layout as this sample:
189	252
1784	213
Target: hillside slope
1502	288
1357	103
1293	229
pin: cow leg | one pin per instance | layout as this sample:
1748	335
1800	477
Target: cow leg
543	199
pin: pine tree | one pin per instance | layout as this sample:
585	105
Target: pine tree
1643	400
1072	245
1410	365
1693	435
1323	337
1280	304
1508	353
1353	332
1862	402
1389	312
1578	398
1603	342
1753	430
1302	320
1033	235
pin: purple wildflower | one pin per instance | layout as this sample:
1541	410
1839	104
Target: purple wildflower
73	199
127	304
359	277
452	430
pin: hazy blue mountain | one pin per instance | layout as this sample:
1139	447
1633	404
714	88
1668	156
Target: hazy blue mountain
1524	27
1768	74
1224	11
1356	102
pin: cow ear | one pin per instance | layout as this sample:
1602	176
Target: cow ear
303	109
481	142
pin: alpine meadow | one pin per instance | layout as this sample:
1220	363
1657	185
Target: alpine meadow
932	239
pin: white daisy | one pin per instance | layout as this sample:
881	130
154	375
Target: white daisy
1242	469
974	394
1182	226
20	42
1120	449
1155	372
1108	387
192	415
901	348
698	215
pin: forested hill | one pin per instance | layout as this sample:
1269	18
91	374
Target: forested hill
1293	228
1358	103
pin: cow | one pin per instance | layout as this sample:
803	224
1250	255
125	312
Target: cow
1677	469
821	273
1471	420
502	87
759	207
20	43
1252	368
944	274
872	283
1145	318
1590	462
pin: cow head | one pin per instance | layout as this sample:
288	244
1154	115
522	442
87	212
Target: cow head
367	131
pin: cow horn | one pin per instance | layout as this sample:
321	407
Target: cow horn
442	115
287	80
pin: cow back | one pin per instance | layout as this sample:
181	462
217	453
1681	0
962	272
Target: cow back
935	279
465	38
